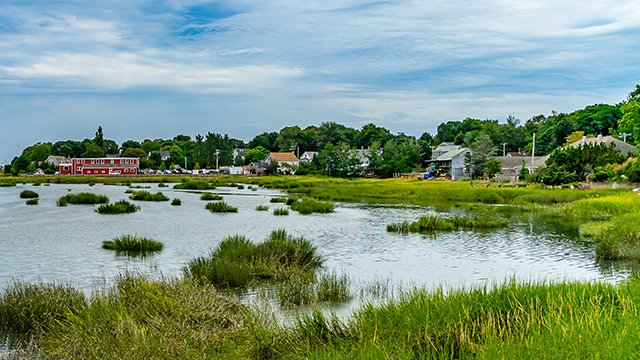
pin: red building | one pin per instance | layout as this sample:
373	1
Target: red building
100	166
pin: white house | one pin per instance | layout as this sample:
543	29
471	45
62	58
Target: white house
308	156
444	148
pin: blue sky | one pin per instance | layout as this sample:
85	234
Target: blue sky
148	69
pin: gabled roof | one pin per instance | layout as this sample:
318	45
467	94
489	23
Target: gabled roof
620	145
283	156
449	155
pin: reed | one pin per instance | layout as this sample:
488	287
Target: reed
82	198
309	205
221	207
432	222
131	243
38	307
195	185
119	207
28	194
281	212
32	202
278	200
207	196
262	207
176	202
144	195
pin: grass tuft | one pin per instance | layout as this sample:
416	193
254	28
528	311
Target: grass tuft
176	202
220	207
262	208
194	185
130	243
119	207
82	198
281	212
144	195
309	205
207	196
28	194
432	222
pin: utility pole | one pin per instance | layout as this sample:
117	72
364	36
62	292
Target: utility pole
624	136
504	149
217	156
533	152
185	162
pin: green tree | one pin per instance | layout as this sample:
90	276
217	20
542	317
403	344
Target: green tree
93	151
334	133
267	140
130	144
99	139
134	152
492	167
256	154
38	152
289	138
339	160
400	155
481	152
630	121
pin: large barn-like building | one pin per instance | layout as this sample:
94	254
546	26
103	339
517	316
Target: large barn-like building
100	166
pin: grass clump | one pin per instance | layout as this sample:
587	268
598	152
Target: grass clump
144	195
237	262
32	202
328	288
195	185
617	238
130	243
240	187
176	202
220	207
7	184
38	307
432	222
279	199
162	185
262	207
82	198
309	205
118	207
207	196
28	194
281	212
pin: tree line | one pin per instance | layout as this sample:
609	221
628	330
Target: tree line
340	147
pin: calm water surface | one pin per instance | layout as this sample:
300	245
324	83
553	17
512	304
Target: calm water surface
46	242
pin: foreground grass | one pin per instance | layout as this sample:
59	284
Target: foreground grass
130	243
140	318
431	223
237	262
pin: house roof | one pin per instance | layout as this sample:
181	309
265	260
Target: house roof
449	155
620	145
57	158
517	154
283	156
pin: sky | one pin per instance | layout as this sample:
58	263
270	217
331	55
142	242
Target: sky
159	68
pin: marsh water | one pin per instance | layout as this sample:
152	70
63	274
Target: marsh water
51	243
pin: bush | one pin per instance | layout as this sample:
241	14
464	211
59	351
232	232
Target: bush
28	194
220	207
147	196
210	196
129	243
309	205
82	198
176	202
119	207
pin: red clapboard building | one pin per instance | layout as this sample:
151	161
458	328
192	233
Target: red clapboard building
100	166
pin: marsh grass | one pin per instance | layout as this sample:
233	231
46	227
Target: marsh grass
262	207
207	196
82	198
119	207
144	195
195	185
221	207
279	199
432	222
7	184
162	185
139	187
309	205
38	307
176	202
240	187
131	243
28	194
32	202
281	212
237	262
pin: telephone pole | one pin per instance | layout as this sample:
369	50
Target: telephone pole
504	149
624	136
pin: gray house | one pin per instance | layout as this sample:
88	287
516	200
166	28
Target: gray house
451	163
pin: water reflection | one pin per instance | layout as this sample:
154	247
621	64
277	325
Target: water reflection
64	244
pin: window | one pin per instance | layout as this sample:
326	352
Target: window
93	161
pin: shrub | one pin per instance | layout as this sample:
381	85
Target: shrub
220	207
194	185
32	202
147	196
129	243
82	198
309	205
119	207
281	211
38	307
176	202
262	208
210	196
240	186
28	194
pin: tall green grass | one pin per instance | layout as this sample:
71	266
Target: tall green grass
309	205
220	207
176	202
144	195
82	198
28	194
262	207
237	262
207	196
432	222
195	185
118	207
131	243
281	212
38	307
